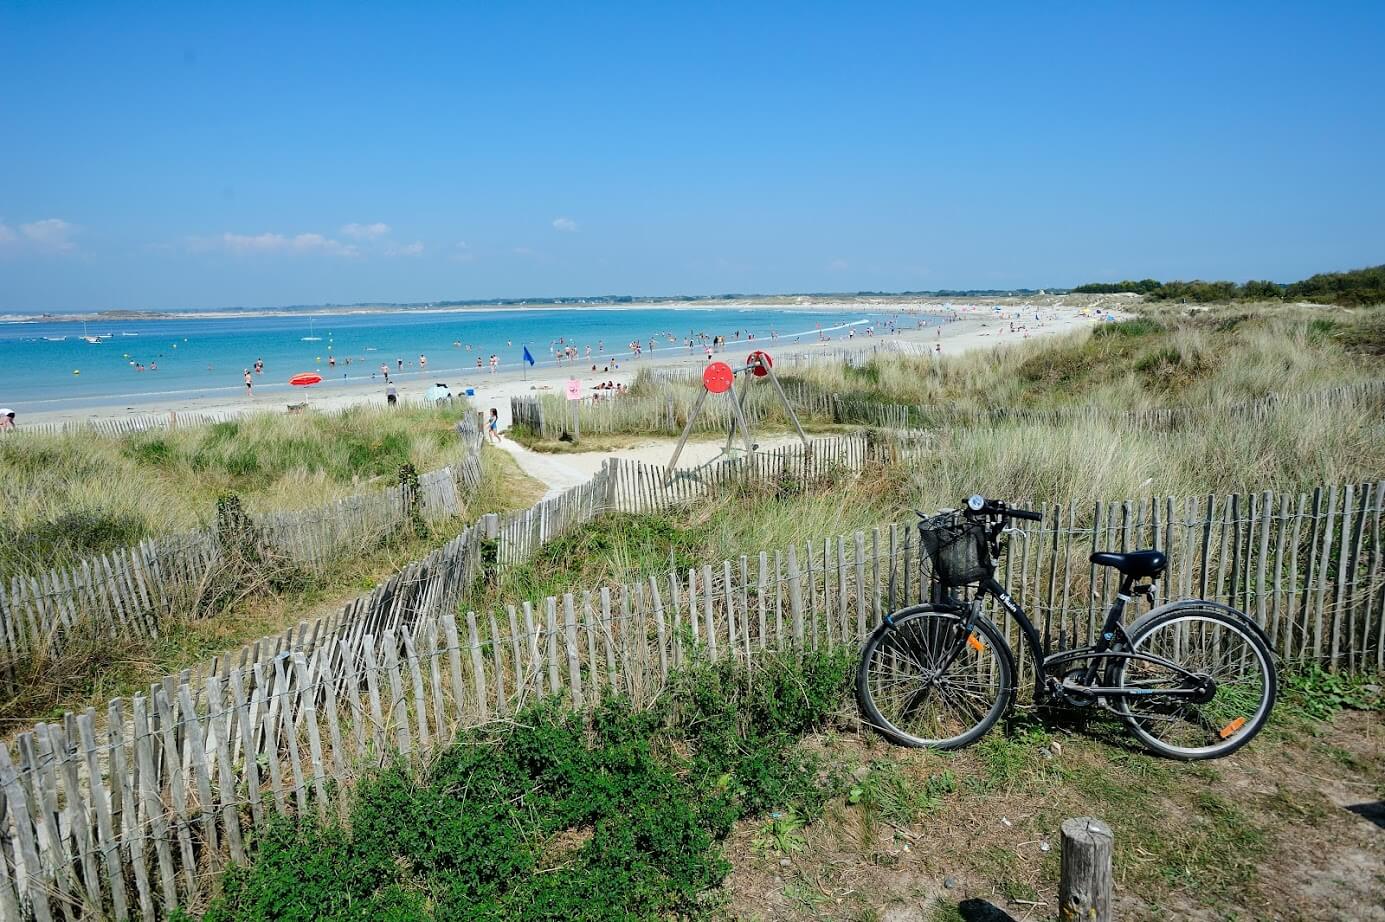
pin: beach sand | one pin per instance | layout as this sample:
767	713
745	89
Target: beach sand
978	327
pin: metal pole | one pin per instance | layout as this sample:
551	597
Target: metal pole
731	426
788	407
740	418
683	439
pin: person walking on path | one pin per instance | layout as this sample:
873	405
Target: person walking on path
493	425
391	394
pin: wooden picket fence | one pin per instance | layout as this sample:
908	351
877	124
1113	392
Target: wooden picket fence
131	590
662	409
131	811
1366	397
115	426
115	811
664	401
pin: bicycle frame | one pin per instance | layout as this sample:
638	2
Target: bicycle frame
1108	647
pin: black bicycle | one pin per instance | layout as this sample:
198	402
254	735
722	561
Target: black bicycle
1193	679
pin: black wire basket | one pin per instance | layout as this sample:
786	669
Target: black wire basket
956	547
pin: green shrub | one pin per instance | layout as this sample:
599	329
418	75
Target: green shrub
617	814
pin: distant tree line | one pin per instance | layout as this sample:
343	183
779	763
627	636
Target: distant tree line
1360	286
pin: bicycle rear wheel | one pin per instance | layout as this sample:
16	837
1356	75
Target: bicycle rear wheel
908	690
1204	642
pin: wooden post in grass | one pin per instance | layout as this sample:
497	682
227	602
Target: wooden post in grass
1084	895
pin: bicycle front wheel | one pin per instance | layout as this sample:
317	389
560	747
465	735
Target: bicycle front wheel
920	682
1206	644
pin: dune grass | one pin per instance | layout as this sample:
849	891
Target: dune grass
756	516
1164	357
95	666
65	496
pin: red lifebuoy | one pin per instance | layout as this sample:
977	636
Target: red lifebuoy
760	363
717	377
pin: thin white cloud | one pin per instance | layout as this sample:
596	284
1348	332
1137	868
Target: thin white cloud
365	231
49	234
248	242
838	265
462	253
7	234
280	243
566	225
408	249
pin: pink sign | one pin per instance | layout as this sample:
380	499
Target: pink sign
574	389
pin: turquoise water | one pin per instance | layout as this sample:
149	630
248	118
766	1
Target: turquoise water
49	366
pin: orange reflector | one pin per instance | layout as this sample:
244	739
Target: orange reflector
1230	729
974	643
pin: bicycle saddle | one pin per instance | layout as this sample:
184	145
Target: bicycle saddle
1137	564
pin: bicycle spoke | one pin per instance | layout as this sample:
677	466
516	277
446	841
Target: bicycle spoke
916	695
1206	647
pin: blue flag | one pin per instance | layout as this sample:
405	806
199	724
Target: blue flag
527	357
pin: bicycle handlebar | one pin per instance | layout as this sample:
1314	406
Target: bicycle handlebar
979	505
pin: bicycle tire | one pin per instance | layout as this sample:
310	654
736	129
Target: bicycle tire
908	620
1246	727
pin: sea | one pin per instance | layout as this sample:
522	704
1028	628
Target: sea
52	364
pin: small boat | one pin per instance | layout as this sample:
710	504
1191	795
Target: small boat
311	337
55	339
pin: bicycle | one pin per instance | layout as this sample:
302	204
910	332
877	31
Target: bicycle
1193	679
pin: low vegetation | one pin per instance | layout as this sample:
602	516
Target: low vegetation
1358	287
752	795
63	497
616	815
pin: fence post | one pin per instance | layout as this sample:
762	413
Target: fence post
1084	895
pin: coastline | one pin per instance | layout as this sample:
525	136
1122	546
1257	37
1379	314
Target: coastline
907	303
976	327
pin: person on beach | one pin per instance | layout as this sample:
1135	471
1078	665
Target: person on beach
259	366
391	395
249	385
6	419
422	360
493	425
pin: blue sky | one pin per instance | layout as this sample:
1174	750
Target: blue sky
190	154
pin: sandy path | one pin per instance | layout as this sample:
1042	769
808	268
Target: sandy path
554	471
563	471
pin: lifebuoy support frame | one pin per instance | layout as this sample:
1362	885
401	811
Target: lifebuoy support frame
720	378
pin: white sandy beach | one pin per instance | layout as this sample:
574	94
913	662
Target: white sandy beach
978	327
